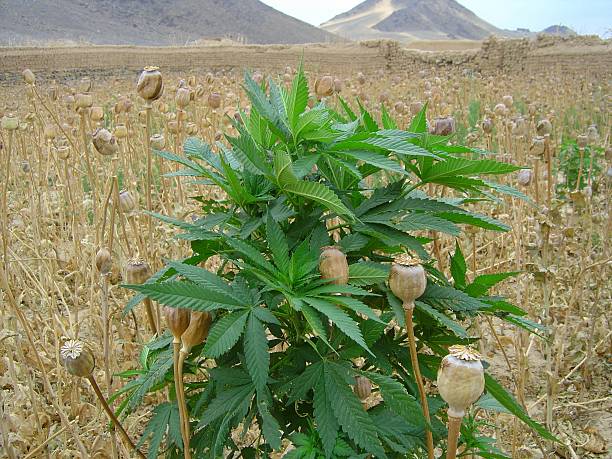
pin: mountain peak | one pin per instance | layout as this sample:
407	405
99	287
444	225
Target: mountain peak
410	20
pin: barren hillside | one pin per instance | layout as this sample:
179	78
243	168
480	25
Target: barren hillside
150	22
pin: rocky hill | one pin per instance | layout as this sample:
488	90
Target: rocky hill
410	20
150	22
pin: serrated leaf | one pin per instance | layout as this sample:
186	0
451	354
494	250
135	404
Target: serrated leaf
377	160
415	221
458	267
349	412
387	121
450	298
397	399
507	401
283	169
368	273
442	319
453	167
154	376
225	401
278	245
251	254
181	295
327	425
225	333
418	124
265	315
314	320
356	305
156	429
367	119
319	193
342	320
256	352
353	242
347	109
194	146
474	219
270	426
483	283
297	98
299	386
219	290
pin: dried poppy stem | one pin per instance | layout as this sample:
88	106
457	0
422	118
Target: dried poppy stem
148	109
113	418
408	311
408	282
194	334
45	378
178	320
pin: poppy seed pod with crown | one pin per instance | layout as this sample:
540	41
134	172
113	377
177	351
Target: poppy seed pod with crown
127	203
544	127
324	87
158	142
487	125
121	131
183	96
150	84
407	282
444	126
460	379
460	383
214	100
137	272
104	142
78	360
333	265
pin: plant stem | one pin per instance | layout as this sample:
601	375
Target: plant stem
454	428
112	416
107	351
408	310
148	109
178	388
151	317
185	421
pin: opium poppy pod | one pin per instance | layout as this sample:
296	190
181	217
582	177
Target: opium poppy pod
78	360
333	265
150	84
460	379
407	282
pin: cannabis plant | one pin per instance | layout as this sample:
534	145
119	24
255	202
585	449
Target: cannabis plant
286	348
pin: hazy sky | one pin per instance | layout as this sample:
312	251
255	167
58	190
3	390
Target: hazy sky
584	16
